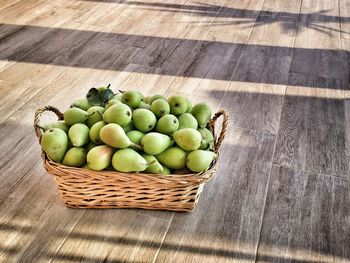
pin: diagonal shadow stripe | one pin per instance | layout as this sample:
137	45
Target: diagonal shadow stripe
173	56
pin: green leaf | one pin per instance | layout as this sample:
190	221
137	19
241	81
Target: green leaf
94	97
107	95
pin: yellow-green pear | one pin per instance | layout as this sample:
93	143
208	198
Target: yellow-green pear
75	157
128	127
95	132
189	105
167	124
156	97
154	167
160	107
79	134
199	160
55	144
166	170
95	115
144	120
82	103
117	97
144	106
132	98
188	139
99	157
89	146
56	124
113	135
173	158
112	102
154	143
118	113
186	120
147	100
207	138
135	136
128	160
75	115
202	113
178	104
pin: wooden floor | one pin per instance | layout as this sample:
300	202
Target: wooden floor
281	69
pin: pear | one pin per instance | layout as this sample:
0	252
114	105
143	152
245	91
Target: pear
79	134
86	166
167	124
155	97
173	158
102	89
55	143
112	102
188	139
56	124
178	104
147	100
82	103
154	143
113	135
99	157
166	170
202	113
89	146
189	105
128	160
128	127
95	132
144	120
144	106
118	113
154	166
207	138
75	157
135	136
186	120
199	160
160	107
117	97
95	115
75	115
132	98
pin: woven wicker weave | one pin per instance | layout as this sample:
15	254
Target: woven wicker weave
83	188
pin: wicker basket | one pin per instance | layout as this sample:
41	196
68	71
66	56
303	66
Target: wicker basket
83	188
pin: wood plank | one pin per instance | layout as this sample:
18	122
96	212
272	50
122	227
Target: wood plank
312	133
226	224
344	14
306	219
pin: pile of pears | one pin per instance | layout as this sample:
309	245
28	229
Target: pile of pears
128	132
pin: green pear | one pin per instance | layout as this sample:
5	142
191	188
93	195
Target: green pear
128	127
144	120
188	139
56	124
154	166
144	106
178	104
89	146
186	120
202	113
156	97
189	105
118	113
167	124
117	97
173	158
75	115
112	102
55	143
82	103
132	98
113	135
128	160
160	107
207	138
75	157
79	134
86	166
95	132
166	170
147	100
95	115
99	157
135	136
199	160
154	143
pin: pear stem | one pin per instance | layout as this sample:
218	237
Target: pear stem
153	162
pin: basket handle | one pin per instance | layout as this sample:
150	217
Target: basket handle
224	125
38	114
